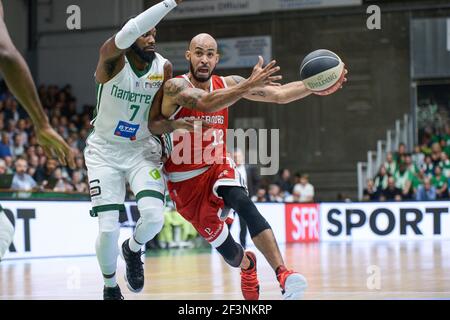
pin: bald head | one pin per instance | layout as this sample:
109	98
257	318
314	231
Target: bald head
204	41
202	56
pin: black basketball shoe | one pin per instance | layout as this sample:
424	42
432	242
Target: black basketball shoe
112	293
134	275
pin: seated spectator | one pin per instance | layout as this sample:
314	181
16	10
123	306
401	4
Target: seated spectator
390	164
9	161
4	169
5	150
294	197
284	181
444	147
22	131
427	191
410	165
446	136
440	182
436	153
403	180
22	180
417	181
78	184
370	193
392	193
425	149
43	175
17	148
275	193
261	196
381	179
445	165
61	184
305	189
428	166
400	154
418	157
80	167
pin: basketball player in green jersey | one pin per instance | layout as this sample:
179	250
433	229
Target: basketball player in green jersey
20	82
130	76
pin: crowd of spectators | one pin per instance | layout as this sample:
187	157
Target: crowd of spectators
285	189
23	163
421	175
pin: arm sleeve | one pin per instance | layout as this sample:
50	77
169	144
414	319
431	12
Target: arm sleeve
144	22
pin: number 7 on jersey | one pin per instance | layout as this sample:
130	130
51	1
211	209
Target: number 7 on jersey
135	112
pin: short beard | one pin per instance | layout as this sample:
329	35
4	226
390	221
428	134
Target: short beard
144	56
201	80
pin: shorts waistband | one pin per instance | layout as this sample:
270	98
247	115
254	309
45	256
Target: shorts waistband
186	175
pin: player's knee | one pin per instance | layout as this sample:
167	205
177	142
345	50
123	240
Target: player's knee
237	198
151	210
108	222
231	251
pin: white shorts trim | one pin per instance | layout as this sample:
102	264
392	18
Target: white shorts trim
222	237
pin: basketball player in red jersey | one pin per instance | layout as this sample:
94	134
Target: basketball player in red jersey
202	180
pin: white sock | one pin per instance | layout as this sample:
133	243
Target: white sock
134	246
109	281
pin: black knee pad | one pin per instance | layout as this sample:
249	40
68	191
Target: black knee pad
237	198
231	251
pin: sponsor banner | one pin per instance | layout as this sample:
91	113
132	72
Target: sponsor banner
302	222
385	221
234	52
215	8
65	228
58	229
277	5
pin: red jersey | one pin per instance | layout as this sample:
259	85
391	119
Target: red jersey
196	150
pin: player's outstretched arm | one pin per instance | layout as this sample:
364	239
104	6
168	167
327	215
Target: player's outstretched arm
282	94
112	52
20	82
178	92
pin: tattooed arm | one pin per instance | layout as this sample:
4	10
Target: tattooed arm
283	94
178	92
280	94
157	123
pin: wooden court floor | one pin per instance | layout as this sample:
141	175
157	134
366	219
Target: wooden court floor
360	270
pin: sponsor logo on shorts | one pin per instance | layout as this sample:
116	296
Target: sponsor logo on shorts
155	174
212	235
